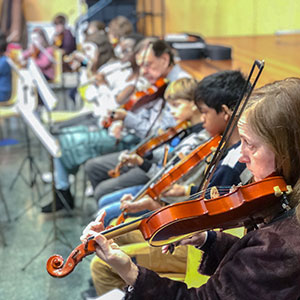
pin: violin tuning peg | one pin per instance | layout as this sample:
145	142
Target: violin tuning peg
277	191
289	189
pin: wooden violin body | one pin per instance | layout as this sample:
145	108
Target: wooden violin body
58	40
152	144
153	92
172	222
183	167
162	138
179	170
175	221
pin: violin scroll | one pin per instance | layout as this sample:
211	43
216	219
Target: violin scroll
56	266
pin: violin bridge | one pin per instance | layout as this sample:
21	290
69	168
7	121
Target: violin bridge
214	193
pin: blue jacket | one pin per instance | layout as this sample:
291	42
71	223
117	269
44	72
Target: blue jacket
5	79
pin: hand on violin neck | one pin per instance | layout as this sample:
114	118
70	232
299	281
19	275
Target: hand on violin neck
109	251
94	227
145	203
118	114
116	129
196	240
175	190
132	159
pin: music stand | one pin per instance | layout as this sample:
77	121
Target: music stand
47	95
7	214
27	99
52	147
49	99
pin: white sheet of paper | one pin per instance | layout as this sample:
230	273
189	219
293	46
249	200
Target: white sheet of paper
49	142
115	294
46	93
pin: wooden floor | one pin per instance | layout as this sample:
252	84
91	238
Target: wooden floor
281	54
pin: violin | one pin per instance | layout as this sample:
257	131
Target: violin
152	143
35	53
179	170
58	40
176	221
140	98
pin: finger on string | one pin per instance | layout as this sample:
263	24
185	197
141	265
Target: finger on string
101	216
95	227
84	238
126	197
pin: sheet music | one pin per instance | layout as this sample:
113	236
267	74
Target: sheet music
47	95
49	142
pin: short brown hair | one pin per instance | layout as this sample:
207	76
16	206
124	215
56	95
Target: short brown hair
60	19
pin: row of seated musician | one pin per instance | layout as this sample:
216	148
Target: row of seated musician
155	61
215	116
239	268
161	62
211	119
49	56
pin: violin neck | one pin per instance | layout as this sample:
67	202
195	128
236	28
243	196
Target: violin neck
125	227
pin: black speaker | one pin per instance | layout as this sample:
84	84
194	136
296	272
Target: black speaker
188	46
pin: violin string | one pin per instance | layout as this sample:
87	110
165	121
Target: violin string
221	190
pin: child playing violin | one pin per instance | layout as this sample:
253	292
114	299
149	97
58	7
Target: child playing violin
142	120
216	112
179	95
264	264
220	92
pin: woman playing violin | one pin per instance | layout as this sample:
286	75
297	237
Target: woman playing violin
264	264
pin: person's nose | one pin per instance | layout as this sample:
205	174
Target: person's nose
244	158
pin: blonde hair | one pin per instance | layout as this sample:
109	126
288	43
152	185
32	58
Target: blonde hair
273	113
183	88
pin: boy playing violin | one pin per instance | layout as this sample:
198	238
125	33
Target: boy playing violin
216	108
264	264
216	96
179	95
144	118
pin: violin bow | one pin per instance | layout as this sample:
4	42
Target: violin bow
170	163
232	123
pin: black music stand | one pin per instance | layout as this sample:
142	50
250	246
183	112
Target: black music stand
7	214
49	100
53	149
27	99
